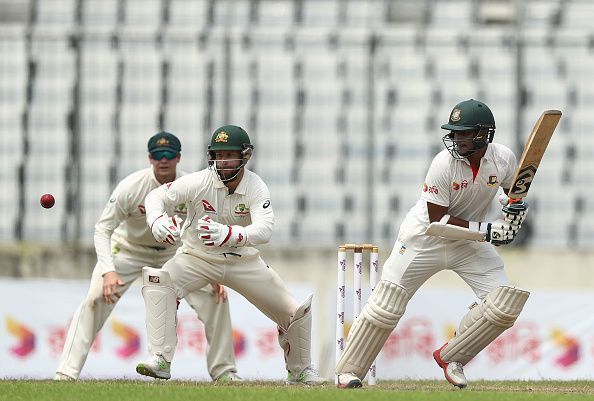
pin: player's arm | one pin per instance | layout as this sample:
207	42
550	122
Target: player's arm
258	232
113	214
443	225
437	212
262	216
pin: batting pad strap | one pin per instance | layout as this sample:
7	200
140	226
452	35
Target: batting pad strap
296	340
161	311
484	323
372	328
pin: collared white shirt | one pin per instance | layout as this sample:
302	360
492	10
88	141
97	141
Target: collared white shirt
450	183
205	194
124	220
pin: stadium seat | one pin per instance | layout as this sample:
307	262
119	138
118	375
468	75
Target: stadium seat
320	13
276	13
100	15
56	13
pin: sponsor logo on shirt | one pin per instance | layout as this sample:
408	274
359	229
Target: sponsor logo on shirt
431	189
153	279
242	209
492	181
207	206
457	186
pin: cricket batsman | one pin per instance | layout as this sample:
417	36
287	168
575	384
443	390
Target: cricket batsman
446	229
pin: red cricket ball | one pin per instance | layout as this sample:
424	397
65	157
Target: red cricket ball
47	200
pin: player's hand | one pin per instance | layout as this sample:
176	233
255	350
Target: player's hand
213	233
501	232
220	293
166	229
515	213
111	286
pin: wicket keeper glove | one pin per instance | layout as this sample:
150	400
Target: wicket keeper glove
166	229
216	234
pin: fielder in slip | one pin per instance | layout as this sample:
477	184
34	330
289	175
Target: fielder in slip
229	213
124	245
446	230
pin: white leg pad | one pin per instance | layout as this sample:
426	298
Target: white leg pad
372	328
296	340
161	312
484	323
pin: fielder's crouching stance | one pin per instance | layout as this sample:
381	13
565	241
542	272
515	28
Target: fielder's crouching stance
444	230
220	247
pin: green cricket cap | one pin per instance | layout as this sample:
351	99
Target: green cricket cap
164	141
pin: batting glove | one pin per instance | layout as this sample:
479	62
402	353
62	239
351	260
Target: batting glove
515	213
500	232
166	229
216	234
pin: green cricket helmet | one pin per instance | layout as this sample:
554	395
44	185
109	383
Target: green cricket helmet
469	115
229	137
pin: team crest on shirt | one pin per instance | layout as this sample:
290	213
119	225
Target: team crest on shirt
242	209
402	249
141	209
492	181
207	206
455	186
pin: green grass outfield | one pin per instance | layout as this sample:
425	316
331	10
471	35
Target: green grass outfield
123	390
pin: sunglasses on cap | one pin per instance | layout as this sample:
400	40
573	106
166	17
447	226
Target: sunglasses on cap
159	154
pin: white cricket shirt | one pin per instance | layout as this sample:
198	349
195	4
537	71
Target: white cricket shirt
204	193
124	219
450	183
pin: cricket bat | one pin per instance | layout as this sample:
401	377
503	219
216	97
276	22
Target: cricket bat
533	152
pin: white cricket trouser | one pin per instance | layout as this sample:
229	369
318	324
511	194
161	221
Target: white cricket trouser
247	274
93	312
416	257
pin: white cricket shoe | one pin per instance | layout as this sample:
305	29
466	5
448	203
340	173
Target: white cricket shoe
454	373
63	377
229	377
156	367
308	376
348	380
